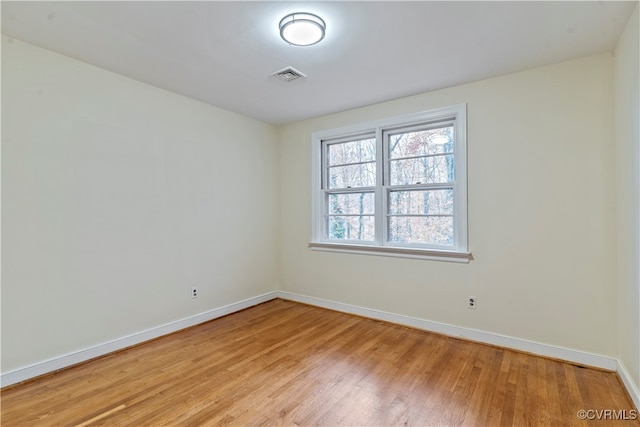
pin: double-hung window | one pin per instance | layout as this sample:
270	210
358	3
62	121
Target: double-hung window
395	187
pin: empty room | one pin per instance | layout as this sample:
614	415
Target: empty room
241	213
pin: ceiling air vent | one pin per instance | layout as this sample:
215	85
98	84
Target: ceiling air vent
288	74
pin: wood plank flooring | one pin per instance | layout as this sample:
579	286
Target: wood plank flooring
284	363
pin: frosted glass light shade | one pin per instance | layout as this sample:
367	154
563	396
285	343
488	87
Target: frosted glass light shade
302	29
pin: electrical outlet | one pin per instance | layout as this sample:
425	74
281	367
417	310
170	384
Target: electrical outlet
195	292
471	302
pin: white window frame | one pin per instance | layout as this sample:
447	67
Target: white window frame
458	252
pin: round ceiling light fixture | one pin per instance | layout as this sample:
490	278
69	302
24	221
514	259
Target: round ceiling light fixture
302	29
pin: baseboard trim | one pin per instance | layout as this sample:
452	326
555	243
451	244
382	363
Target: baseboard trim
630	385
57	363
569	355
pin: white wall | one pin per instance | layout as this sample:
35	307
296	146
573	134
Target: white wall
627	99
542	216
117	198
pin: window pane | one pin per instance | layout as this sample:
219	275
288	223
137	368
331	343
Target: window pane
421	202
430	230
352	152
363	175
351	203
425	170
412	144
361	227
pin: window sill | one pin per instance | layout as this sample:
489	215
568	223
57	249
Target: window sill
389	251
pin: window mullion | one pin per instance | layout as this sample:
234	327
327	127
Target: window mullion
381	218
324	185
325	167
421	186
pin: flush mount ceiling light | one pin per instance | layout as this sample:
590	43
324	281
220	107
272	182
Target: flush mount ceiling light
302	29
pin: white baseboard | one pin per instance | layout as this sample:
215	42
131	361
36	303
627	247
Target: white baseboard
561	353
51	365
574	356
630	385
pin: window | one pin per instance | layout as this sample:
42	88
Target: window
395	187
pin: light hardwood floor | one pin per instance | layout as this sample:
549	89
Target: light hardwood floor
284	363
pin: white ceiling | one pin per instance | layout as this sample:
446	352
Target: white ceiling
223	53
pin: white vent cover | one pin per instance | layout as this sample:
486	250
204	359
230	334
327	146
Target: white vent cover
288	74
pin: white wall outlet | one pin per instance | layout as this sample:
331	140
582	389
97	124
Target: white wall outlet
195	292
471	302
